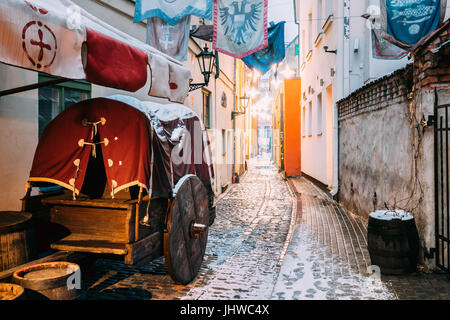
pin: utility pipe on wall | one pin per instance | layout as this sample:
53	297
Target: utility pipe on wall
339	93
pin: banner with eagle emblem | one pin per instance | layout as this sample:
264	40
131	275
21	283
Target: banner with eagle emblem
240	26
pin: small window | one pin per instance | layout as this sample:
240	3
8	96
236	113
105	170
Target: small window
328	8
303	121
206	108
303	45
319	114
310	41
56	98
224	142
310	119
319	16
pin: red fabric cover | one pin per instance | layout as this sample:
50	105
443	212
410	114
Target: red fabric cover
58	149
127	155
126	129
114	64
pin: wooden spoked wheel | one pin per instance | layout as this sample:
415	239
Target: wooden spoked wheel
186	231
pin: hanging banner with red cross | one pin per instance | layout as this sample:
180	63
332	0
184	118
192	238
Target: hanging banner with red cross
30	37
63	40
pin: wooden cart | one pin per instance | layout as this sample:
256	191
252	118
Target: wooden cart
138	229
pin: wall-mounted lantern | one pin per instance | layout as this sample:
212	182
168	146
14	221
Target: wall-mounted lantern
245	100
206	60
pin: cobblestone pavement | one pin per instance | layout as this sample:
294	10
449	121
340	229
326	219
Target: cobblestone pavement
246	245
268	243
248	240
328	257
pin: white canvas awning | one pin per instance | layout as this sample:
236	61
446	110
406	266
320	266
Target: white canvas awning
59	38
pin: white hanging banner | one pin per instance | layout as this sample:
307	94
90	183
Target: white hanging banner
173	40
49	38
31	35
240	26
172	11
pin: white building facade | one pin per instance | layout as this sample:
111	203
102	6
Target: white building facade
335	60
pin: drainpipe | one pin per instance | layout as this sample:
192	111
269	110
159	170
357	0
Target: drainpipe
234	121
216	135
340	81
298	34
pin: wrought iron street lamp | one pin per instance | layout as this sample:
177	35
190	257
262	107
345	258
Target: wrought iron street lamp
206	60
245	100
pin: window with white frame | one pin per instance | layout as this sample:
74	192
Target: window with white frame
319	114
303	45
319	16
224	142
310	31
310	119
328	8
303	121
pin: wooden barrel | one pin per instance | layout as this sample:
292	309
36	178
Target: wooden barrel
51	281
393	242
9	291
17	243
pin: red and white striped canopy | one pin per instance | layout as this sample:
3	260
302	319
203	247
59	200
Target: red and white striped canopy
58	37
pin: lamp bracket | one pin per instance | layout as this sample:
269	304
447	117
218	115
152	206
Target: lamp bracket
235	113
195	86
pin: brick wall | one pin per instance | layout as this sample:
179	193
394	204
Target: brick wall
377	94
432	60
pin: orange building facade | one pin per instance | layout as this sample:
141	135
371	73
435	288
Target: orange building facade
286	128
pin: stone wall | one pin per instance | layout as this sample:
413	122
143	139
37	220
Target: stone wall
386	150
374	144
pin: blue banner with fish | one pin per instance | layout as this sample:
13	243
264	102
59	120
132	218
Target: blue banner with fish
408	21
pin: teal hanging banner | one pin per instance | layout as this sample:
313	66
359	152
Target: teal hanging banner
172	11
263	59
408	21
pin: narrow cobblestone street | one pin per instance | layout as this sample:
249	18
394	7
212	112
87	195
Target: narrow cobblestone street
271	241
328	257
246	245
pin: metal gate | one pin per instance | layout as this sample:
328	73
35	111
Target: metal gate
441	165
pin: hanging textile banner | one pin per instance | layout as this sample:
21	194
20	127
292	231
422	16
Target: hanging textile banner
66	41
263	59
406	22
203	32
383	49
32	37
240	26
173	40
172	11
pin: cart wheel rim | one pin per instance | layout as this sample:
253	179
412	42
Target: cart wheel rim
186	234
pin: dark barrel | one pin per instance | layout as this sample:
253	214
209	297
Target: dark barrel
17	242
9	291
393	243
50	281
